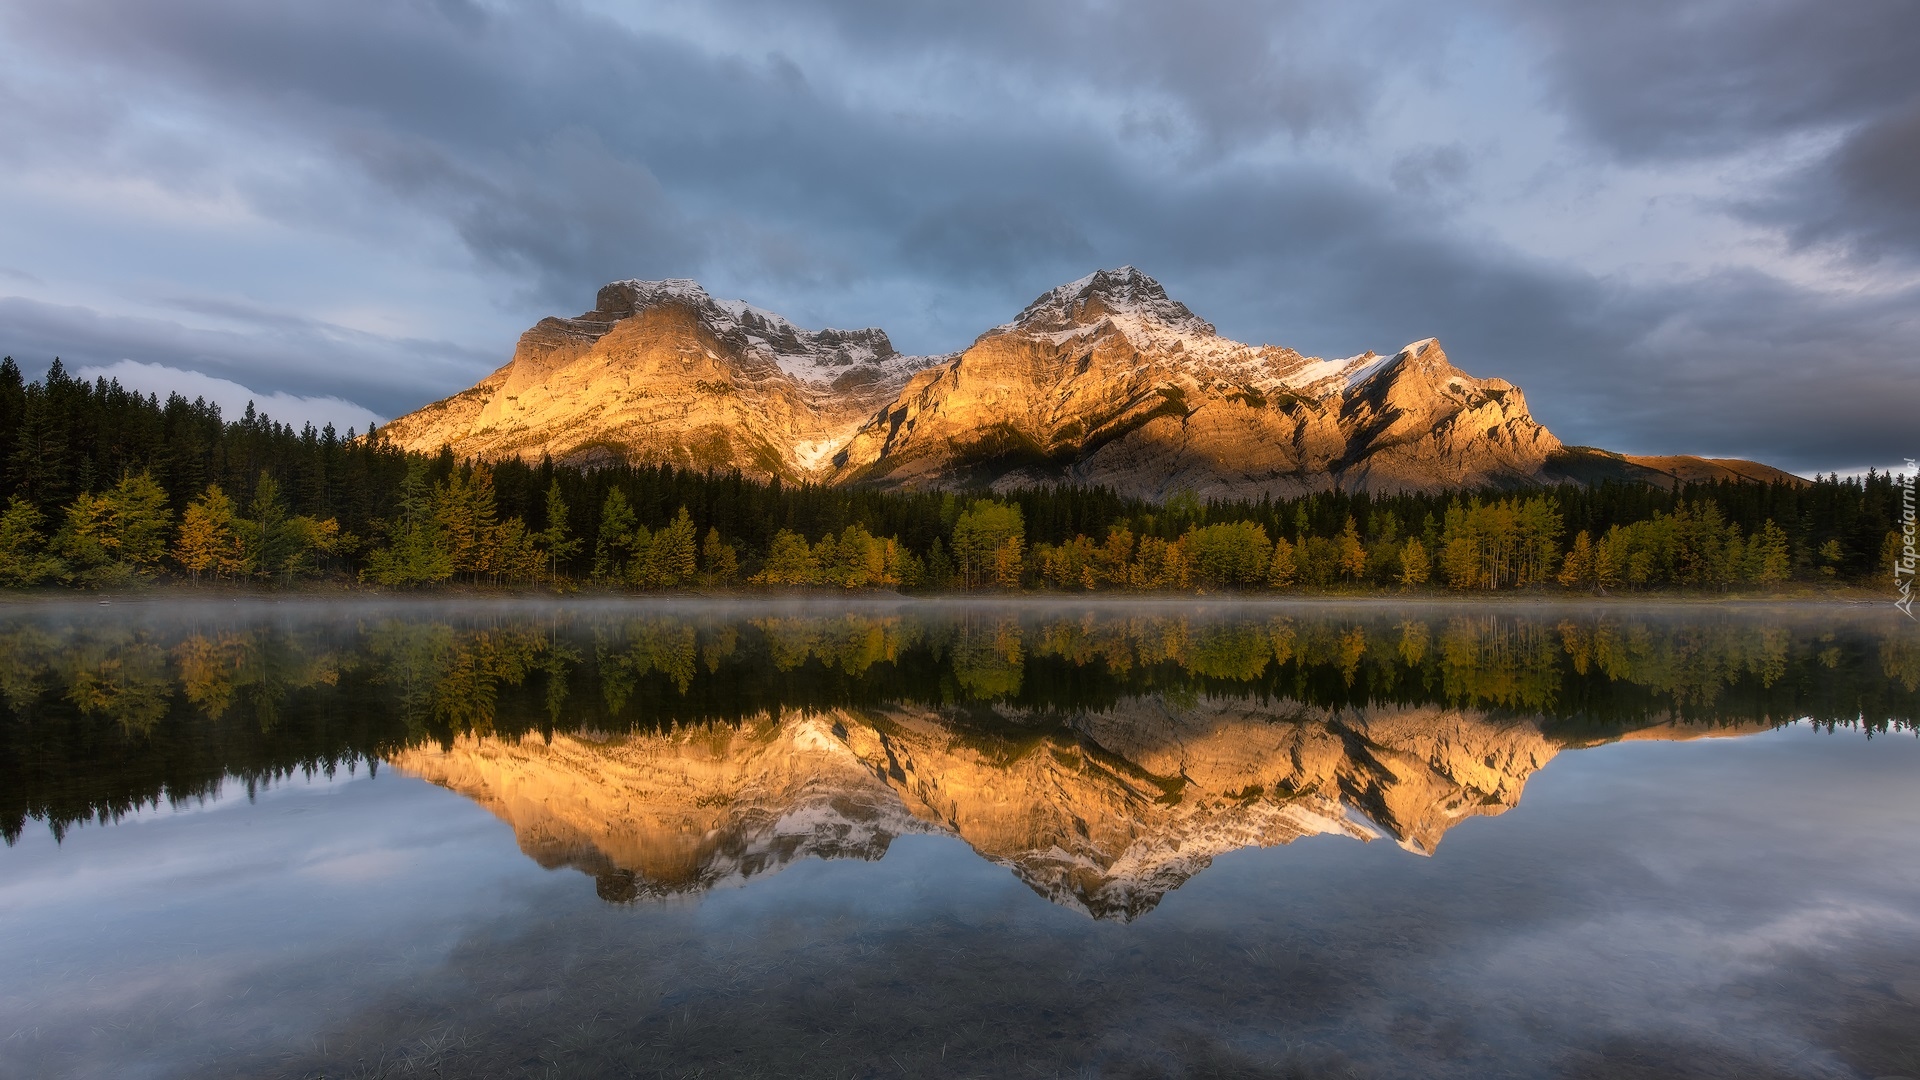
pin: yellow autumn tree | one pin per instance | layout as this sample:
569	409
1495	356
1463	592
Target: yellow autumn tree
208	543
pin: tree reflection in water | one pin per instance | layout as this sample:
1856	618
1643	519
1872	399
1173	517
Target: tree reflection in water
1104	753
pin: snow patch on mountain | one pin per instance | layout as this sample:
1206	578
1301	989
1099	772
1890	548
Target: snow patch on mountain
1124	292
815	358
1126	301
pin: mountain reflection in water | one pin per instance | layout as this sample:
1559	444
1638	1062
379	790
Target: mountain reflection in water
1103	753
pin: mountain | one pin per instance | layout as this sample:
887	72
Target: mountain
1586	465
1105	815
1105	380
660	371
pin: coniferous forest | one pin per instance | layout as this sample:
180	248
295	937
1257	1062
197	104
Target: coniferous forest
106	487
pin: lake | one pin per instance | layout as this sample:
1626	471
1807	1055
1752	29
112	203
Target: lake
926	838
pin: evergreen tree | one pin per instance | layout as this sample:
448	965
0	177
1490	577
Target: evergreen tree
789	562
467	515
671	554
1769	558
415	553
84	542
941	573
1229	555
718	560
988	542
554	539
1831	556
139	520
613	546
266	539
23	556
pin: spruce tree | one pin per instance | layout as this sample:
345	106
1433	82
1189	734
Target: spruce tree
24	559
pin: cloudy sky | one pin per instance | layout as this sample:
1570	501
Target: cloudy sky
1680	226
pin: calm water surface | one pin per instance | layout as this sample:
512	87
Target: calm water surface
928	839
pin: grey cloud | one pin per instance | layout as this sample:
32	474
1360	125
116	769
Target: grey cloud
278	353
563	211
1746	365
1652	78
1227	69
998	240
1865	197
564	149
1429	170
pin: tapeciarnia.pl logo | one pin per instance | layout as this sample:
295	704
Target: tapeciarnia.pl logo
1903	567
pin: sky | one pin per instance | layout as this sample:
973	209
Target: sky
1681	226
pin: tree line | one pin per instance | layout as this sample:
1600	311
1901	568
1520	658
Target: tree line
103	486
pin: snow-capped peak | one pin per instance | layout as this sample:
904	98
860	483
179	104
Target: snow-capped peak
1122	292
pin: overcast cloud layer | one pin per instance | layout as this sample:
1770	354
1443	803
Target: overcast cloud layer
1679	226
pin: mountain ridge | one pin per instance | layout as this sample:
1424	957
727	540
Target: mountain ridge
1104	380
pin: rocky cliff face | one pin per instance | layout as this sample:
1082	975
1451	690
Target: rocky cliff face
660	371
1105	380
1105	815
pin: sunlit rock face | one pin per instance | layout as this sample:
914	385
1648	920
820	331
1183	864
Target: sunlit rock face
1105	380
660	371
1106	814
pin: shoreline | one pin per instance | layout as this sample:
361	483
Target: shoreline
202	595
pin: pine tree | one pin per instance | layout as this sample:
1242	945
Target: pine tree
1229	555
415	553
84	542
138	521
23	556
1611	556
671	553
1832	555
718	560
266	539
941	573
613	547
554	539
988	539
789	561
467	515
1769	559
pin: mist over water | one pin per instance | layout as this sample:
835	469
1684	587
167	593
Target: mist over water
928	838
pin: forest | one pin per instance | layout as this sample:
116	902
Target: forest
104	487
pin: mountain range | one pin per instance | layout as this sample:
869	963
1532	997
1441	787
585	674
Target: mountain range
1105	380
